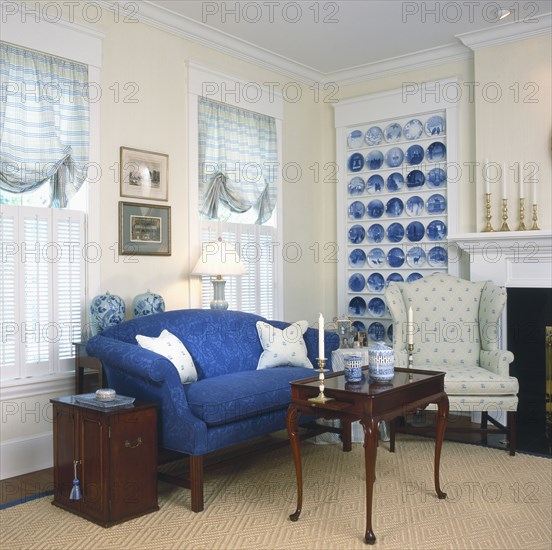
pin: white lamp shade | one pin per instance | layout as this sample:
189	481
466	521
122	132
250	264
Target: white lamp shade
219	258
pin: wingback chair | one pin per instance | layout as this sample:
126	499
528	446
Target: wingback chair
456	332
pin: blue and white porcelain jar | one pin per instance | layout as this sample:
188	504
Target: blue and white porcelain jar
106	310
147	303
353	368
381	362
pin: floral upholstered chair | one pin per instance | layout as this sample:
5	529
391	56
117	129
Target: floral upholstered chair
456	331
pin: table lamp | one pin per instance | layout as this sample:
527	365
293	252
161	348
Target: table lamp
218	259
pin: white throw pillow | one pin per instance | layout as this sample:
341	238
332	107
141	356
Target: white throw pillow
283	348
169	346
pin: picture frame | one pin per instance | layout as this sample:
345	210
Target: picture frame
144	174
144	229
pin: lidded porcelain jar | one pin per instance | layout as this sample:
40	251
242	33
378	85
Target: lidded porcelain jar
147	303
106	310
381	362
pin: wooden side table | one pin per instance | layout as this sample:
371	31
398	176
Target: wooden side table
115	451
84	361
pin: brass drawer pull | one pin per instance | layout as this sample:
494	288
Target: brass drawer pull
129	446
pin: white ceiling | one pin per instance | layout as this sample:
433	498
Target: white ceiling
343	37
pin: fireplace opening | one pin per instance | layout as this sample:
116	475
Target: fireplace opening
529	312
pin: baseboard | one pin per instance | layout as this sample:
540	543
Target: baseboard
26	454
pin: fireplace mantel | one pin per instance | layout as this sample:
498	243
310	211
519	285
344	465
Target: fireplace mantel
517	259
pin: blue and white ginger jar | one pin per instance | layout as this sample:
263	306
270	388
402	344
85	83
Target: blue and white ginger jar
381	362
147	303
106	310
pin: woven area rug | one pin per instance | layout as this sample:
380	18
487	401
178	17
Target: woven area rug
494	502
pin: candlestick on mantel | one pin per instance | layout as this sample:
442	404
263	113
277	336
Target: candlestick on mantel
321	337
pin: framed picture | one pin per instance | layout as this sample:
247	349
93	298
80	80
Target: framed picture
144	175
144	229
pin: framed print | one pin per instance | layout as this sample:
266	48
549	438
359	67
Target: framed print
144	229
144	175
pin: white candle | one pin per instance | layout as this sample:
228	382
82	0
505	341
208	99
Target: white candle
521	179
486	176
534	192
410	327
321	337
504	182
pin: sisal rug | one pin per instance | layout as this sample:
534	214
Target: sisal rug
494	502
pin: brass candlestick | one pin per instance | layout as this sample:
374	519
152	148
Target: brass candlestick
504	226
535	218
321	398
521	226
410	360
488	226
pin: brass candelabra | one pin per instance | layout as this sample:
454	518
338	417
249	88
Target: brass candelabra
504	226
410	348
521	226
488	226
535	218
321	397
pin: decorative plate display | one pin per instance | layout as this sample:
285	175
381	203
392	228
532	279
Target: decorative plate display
416	256
394	207
413	129
435	125
415	231
356	210
376	306
376	332
394	157
395	278
414	206
356	162
395	181
375	184
415	179
395	257
355	139
359	326
414	154
414	277
376	257
356	186
395	232
357	234
375	233
374	136
392	132
437	257
436	204
375	282
436	230
357	306
374	160
375	208
390	332
436	152
357	282
357	257
436	177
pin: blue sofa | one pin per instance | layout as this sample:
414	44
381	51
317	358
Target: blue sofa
231	401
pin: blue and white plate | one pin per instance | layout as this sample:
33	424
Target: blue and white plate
414	154
356	234
376	306
373	136
356	186
413	129
375	208
395	257
358	326
436	177
414	206
356	162
357	282
436	152
375	184
354	139
375	282
435	126
415	179
415	231
356	210
392	132
390	332
416	257
357	306
394	157
395	232
436	204
436	230
394	278
357	257
376	332
374	160
376	257
414	277
394	207
375	233
437	257
395	181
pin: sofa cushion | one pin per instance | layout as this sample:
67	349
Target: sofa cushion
230	397
283	347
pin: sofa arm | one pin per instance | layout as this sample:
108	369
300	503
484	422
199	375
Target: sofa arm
497	361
